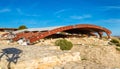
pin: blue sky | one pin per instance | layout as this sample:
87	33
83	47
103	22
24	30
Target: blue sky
44	13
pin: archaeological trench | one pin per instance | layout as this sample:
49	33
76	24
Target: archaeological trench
44	57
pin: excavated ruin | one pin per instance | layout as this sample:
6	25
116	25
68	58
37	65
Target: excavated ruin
33	35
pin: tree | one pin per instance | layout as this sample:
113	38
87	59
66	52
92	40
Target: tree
22	27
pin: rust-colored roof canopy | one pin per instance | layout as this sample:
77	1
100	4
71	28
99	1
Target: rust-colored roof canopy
73	29
81	28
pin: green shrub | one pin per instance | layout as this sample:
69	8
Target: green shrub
118	44
64	44
22	27
114	41
57	42
118	48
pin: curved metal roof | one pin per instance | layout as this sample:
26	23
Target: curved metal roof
64	28
33	37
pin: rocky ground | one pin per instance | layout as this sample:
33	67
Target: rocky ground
87	53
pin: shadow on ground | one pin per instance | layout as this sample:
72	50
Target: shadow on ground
12	55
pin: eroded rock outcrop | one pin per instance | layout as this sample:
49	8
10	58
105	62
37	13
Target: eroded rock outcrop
45	57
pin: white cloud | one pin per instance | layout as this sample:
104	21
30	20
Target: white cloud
105	8
5	10
80	17
111	21
61	11
34	15
26	14
113	7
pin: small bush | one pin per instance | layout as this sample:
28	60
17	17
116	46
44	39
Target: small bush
57	42
22	27
118	44
118	48
114	41
64	44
